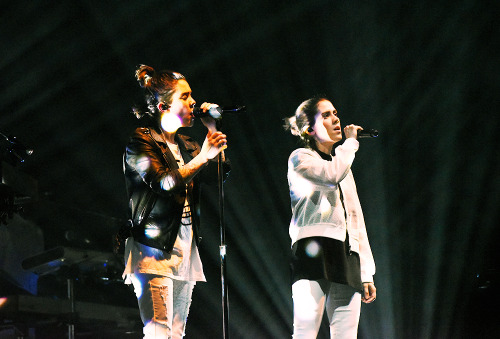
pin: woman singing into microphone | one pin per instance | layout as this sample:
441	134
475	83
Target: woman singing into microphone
332	262
163	171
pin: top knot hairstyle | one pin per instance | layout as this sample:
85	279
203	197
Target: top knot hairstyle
160	87
300	124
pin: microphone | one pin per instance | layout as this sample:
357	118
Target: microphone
367	133
217	112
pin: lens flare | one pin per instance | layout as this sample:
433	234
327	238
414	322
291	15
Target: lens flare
152	231
325	206
300	186
312	249
167	183
137	285
170	122
142	164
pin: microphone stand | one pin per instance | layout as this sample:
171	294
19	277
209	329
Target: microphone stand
222	248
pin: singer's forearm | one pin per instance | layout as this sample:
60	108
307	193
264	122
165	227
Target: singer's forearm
189	170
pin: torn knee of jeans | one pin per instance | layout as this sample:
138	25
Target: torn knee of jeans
159	295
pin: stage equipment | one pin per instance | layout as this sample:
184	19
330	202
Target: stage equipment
72	263
222	247
16	151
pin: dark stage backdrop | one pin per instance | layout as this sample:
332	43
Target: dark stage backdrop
424	73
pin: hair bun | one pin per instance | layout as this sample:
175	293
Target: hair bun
144	75
291	125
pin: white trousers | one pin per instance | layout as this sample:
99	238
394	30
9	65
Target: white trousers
310	298
164	305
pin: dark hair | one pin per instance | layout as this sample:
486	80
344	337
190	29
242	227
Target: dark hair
302	121
160	87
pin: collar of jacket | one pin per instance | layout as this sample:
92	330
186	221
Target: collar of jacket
184	140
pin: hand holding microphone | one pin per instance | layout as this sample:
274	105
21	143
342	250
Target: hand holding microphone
351	131
214	143
207	112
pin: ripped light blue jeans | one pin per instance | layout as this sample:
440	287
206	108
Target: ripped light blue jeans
163	303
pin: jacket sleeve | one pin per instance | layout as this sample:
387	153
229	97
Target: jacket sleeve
145	157
366	260
321	172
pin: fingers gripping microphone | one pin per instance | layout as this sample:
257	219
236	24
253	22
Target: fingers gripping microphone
217	112
367	133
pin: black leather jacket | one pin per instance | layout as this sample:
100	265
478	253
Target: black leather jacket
156	211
